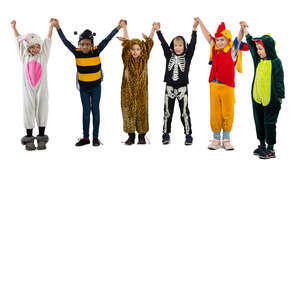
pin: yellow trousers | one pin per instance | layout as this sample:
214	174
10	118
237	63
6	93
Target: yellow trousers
221	106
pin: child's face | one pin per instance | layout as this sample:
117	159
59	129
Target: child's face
221	42
85	46
34	49
135	51
261	51
178	46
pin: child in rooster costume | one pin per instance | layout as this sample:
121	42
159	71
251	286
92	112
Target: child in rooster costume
224	57
267	91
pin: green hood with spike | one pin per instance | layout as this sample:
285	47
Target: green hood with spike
277	83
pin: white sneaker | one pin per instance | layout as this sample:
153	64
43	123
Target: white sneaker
214	145
227	145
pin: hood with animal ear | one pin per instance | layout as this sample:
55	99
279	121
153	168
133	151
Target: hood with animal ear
140	43
184	43
31	39
269	44
87	34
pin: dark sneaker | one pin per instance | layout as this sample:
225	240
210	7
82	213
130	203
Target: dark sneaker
188	140
259	150
96	142
267	154
130	140
141	140
166	139
82	142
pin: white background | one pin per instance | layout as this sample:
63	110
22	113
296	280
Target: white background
147	222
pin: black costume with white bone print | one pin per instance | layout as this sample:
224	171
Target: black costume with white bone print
176	78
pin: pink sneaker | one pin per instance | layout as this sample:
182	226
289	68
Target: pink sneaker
227	145
214	145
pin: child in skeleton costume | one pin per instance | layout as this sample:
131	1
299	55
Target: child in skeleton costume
89	78
224	57
178	59
267	91
34	54
134	89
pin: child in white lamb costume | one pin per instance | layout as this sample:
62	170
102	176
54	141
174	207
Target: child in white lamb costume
34	54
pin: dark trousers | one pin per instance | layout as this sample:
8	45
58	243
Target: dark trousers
265	118
181	94
90	99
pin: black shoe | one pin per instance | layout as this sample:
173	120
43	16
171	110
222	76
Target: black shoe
142	140
96	142
259	150
166	139
188	140
82	142
267	154
130	140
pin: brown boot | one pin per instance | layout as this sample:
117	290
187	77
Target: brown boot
142	140
131	138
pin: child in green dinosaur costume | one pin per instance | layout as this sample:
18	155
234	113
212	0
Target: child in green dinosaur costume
267	90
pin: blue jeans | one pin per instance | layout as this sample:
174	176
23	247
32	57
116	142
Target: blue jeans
90	99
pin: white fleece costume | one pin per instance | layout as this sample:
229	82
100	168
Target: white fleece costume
35	85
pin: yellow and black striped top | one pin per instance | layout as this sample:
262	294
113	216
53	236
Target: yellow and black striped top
88	65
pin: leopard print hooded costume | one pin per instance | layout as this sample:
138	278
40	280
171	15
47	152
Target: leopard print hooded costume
134	90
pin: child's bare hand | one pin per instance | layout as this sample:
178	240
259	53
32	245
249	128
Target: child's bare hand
197	19
55	23
156	26
13	24
196	23
243	24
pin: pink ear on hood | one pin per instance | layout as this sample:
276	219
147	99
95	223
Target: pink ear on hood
23	38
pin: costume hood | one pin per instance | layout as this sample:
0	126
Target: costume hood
269	44
184	43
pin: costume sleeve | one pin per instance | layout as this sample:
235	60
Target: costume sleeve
69	45
192	45
46	47
104	42
21	48
164	44
252	48
126	52
278	77
148	46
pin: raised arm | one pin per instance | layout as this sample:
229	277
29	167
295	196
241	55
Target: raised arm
68	44
164	44
251	44
152	32
13	24
125	31
51	29
105	42
204	30
19	41
192	44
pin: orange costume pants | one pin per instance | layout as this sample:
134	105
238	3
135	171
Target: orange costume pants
221	106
